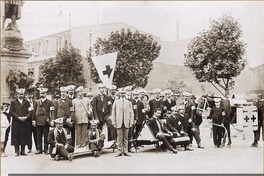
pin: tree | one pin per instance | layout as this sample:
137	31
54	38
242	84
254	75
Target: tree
178	86
134	61
216	55
65	69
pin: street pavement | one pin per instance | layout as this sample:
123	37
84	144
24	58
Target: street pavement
240	158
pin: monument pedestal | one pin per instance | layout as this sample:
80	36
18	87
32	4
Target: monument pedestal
13	57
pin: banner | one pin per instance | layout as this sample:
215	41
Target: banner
105	66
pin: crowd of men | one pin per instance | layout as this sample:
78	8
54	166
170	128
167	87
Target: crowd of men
73	119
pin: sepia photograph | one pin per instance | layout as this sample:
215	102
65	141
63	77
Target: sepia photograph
132	87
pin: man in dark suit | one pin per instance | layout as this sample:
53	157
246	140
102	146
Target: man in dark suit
161	132
59	139
112	97
21	112
101	108
63	107
71	96
174	125
168	102
43	110
30	98
155	102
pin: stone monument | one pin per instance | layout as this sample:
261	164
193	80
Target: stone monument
13	56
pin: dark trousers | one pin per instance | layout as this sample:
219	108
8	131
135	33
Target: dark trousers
227	126
195	134
257	133
97	145
138	129
20	149
34	133
111	129
42	133
62	151
72	130
130	135
217	135
6	138
168	142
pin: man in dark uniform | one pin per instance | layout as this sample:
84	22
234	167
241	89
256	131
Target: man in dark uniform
71	96
168	102
43	110
161	132
217	115
63	107
21	112
30	99
155	102
174	124
59	139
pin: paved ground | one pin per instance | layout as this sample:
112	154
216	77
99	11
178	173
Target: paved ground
240	158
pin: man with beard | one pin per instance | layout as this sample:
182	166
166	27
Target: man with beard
21	112
43	110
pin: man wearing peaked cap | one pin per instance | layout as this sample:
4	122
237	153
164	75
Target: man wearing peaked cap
70	90
81	106
168	102
102	108
155	102
21	113
190	110
59	139
63	107
42	115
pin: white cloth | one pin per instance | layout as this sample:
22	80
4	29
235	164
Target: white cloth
4	125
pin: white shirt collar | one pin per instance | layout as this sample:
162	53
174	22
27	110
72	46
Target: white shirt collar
20	101
43	99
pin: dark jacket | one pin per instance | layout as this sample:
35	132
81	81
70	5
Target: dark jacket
101	108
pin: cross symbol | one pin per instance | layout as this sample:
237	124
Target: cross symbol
246	119
108	71
253	118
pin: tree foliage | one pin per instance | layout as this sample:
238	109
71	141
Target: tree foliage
216	54
178	86
65	69
134	61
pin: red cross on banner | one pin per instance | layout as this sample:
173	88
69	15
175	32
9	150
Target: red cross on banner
105	66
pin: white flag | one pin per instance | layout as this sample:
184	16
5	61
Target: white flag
105	66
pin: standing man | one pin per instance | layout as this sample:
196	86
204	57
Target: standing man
30	99
71	96
122	119
43	110
112	97
59	139
21	112
155	102
161	132
260	123
168	102
81	112
11	82
101	108
63	107
217	115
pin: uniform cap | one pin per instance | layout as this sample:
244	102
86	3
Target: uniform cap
42	89
142	91
122	90
181	107
128	88
79	89
94	122
157	90
71	87
136	92
168	91
113	87
100	85
186	94
63	89
22	91
192	97
217	99
89	94
58	120
5	104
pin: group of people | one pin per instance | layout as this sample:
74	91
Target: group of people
74	119
19	80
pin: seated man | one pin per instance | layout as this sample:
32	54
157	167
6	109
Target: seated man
160	132
60	142
95	139
173	124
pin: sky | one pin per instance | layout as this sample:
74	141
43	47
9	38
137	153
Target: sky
41	18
